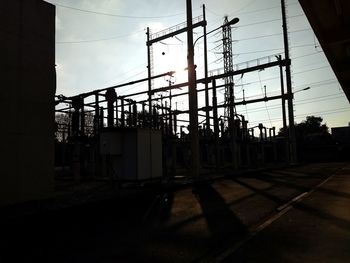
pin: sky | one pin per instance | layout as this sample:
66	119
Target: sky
101	43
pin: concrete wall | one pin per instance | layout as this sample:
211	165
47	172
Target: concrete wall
28	84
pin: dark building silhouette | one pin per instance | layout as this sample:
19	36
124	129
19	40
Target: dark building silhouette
341	135
28	83
330	23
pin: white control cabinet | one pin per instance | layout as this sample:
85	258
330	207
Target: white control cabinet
133	154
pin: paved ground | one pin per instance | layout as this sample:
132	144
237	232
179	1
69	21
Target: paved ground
315	229
275	216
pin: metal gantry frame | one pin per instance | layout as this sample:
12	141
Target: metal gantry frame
98	93
123	109
123	112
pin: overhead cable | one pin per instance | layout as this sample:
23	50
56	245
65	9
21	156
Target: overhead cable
115	15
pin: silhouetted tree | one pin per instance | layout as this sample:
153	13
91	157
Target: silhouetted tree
63	120
89	123
61	125
311	126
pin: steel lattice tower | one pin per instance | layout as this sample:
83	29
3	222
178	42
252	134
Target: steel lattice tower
228	67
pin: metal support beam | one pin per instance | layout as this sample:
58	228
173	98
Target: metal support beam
292	138
97	114
216	124
177	32
82	118
175	123
284	118
134	114
149	71
207	118
283	98
240	103
101	118
220	76
122	117
130	114
87	94
116	113
192	95
143	115
111	97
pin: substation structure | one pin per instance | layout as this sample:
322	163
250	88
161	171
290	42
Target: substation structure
130	140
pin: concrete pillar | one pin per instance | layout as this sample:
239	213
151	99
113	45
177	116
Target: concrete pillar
28	79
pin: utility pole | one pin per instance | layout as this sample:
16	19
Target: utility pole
170	108
207	117
111	97
82	118
279	57
96	119
192	95
216	124
292	139
284	118
149	70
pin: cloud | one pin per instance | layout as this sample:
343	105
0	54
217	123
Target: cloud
58	24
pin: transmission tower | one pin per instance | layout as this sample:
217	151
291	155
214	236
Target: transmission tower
228	67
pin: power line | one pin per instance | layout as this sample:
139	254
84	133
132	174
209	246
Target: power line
306	55
259	10
244	7
115	15
268	21
305	101
329	112
303	45
340	110
213	12
98	40
273	49
275	34
311	64
262	91
312	100
320	83
264	9
128	71
254	11
300	72
140	84
298	57
251	24
234	12
323	98
312	84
